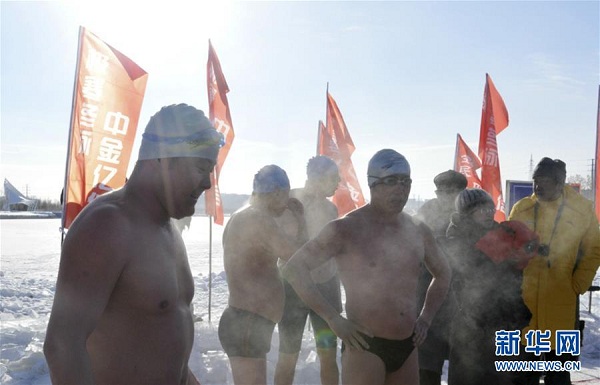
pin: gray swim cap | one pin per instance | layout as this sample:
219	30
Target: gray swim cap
180	131
269	179
386	163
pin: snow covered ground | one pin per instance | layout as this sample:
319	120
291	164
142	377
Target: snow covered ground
28	266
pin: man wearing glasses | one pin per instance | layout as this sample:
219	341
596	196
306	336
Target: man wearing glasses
566	261
378	251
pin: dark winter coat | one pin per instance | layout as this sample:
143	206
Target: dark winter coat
488	297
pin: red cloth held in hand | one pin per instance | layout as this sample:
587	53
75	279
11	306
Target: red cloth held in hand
511	240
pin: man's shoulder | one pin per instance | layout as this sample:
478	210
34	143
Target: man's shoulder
523	205
297	193
413	222
352	220
106	210
244	213
577	201
103	228
431	204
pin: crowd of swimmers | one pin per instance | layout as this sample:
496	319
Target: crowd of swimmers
419	290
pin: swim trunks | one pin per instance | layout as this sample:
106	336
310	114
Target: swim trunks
245	334
393	353
291	326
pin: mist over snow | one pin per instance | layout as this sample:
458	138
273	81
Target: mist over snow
28	268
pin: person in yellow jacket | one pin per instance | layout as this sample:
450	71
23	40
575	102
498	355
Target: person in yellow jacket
566	262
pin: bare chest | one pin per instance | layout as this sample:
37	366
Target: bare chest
383	257
157	278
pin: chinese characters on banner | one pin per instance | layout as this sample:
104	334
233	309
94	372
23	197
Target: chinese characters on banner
219	115
108	94
494	119
467	163
335	142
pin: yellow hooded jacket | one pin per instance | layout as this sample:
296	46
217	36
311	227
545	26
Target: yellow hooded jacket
552	284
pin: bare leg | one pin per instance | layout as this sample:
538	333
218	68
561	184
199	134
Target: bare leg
285	369
248	371
330	375
362	368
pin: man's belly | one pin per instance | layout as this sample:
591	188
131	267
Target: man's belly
387	319
150	349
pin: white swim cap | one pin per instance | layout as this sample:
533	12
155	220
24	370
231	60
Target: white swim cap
180	131
385	163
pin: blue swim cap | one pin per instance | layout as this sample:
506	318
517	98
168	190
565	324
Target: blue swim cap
320	166
269	179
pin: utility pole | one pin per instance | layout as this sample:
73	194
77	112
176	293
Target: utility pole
531	166
593	180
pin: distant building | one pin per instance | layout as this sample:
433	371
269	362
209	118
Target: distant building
15	200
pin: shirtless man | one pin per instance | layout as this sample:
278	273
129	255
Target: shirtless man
121	312
252	243
378	251
321	182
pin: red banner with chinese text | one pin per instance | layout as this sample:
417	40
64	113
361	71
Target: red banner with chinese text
219	115
336	143
494	119
467	163
107	99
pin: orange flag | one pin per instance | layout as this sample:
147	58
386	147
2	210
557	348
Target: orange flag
336	143
107	99
467	163
218	112
597	176
494	119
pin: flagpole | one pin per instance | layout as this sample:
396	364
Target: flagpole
65	193
327	106
318	136
209	268
456	152
596	172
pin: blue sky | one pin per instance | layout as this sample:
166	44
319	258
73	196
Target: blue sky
406	75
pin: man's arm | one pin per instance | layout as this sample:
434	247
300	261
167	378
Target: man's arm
590	258
90	265
438	266
297	272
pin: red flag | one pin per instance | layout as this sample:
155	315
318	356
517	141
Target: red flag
467	163
218	112
597	176
336	143
494	119
107	98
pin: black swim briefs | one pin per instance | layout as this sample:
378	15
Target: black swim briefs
393	353
245	334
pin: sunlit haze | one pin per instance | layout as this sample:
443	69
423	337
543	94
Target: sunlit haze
405	75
